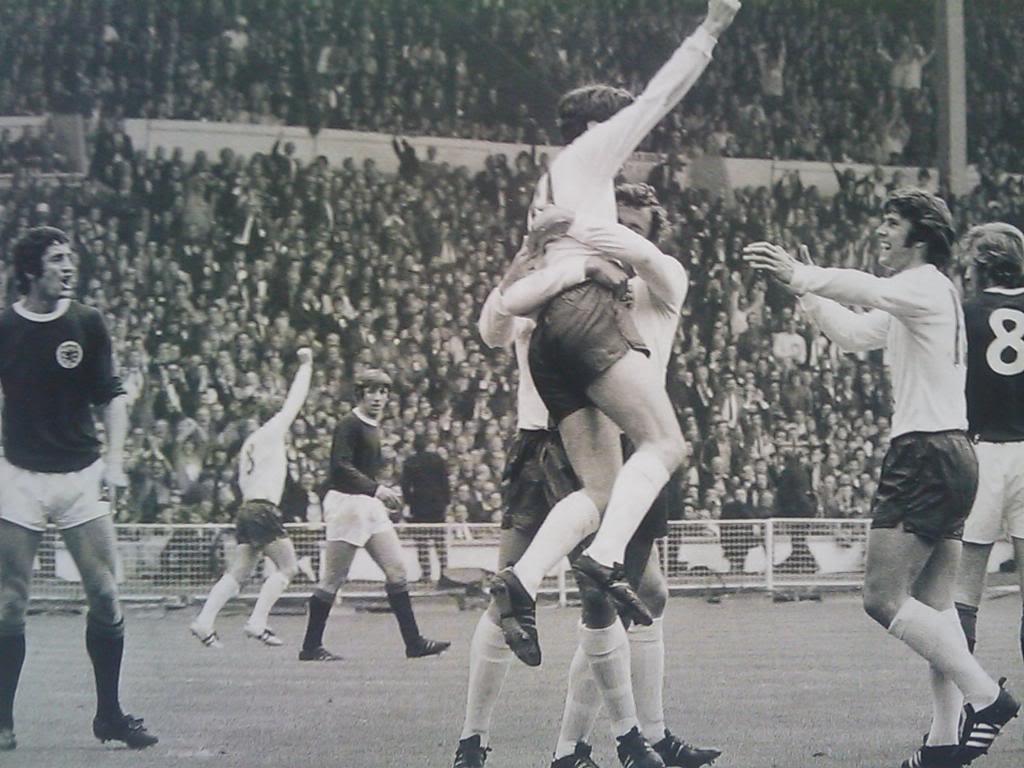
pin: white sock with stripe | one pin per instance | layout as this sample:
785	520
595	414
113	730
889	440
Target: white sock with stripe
222	591
934	637
607	650
569	522
582	705
489	660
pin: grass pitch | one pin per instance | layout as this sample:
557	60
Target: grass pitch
791	685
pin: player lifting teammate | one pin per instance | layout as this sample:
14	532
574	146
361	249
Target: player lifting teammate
930	472
56	363
994	281
262	467
356	515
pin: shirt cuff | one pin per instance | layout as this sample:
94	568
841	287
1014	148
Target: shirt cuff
703	41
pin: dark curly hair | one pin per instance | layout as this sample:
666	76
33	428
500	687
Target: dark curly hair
641	195
931	222
590	103
28	254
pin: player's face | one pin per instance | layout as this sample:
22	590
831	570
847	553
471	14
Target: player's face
57	280
892	236
637	219
972	276
374	400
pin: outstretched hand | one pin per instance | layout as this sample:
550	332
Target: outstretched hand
720	15
610	275
771	258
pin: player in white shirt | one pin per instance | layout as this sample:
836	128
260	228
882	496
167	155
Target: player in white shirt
930	472
598	380
994	314
262	467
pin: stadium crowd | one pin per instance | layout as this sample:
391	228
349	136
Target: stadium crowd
494	69
215	270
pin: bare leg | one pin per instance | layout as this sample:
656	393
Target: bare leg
282	553
18	547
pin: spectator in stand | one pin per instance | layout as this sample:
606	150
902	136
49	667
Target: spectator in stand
426	491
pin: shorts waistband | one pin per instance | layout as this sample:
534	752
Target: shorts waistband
938	433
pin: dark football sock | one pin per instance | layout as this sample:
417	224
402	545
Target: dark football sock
320	605
12	658
969	621
105	644
401	606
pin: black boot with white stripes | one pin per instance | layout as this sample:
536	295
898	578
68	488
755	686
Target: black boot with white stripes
934	757
983	726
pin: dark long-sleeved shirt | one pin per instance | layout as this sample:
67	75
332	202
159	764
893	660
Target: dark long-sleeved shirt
355	456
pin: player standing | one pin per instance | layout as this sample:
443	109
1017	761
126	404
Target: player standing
262	467
995	407
56	362
356	515
930	472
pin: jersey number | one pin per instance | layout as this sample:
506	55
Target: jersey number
1008	327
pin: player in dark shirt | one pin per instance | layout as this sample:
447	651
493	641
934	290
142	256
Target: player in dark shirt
356	515
55	364
994	317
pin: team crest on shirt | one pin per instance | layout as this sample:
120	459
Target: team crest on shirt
69	354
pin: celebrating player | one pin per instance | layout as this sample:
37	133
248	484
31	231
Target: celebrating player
995	407
930	472
587	358
356	515
55	364
262	466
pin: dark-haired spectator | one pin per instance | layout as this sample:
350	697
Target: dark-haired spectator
426	491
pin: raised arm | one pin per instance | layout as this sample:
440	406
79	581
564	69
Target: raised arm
530	293
297	393
601	151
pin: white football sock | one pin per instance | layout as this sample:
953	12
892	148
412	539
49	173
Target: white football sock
647	665
947	701
582	704
636	487
273	587
489	659
608	652
219	595
569	522
934	637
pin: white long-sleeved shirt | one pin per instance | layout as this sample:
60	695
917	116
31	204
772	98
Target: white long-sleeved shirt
501	328
263	462
916	318
582	177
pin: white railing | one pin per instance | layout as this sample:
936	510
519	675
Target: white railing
181	561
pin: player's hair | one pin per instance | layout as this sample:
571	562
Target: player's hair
641	195
931	222
372	377
998	250
589	103
28	253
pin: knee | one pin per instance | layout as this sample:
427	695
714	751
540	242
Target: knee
13	605
671	449
289	571
597	609
394	575
104	604
654	593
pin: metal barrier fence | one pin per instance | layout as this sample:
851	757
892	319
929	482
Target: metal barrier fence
160	562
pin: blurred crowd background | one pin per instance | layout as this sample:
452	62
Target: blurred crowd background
213	271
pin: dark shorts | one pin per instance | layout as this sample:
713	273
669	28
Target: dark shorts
580	334
537	476
928	484
258	523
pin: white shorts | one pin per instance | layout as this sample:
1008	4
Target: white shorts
999	506
354	518
66	499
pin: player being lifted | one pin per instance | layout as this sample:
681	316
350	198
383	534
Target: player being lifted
356	515
930	472
56	363
587	358
994	316
262	467
536	477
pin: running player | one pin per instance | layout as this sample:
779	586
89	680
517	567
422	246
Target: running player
930	472
995	407
356	515
588	359
56	363
262	467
